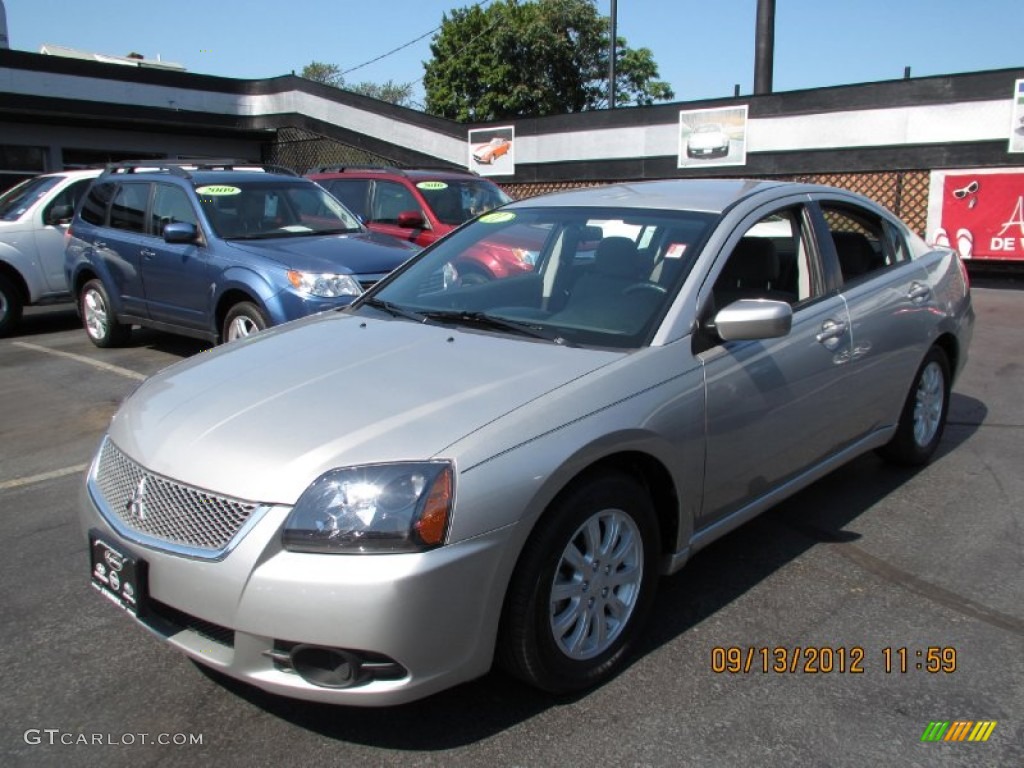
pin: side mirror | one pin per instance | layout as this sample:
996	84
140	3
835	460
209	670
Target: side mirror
60	214
411	220
749	319
180	232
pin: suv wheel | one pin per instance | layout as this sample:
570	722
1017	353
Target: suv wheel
243	319
98	318
10	306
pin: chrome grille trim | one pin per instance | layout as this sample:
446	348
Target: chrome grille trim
164	514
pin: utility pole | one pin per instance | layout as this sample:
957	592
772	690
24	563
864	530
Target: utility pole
611	58
764	46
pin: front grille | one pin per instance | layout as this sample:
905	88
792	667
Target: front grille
163	509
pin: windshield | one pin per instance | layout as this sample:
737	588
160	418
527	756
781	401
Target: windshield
457	201
255	209
578	276
15	201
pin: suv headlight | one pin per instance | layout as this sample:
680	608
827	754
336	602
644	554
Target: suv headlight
379	508
326	285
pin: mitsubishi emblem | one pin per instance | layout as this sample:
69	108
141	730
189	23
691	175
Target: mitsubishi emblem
136	506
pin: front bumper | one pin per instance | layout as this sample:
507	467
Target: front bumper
426	621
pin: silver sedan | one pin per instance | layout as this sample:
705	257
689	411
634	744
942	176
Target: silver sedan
376	503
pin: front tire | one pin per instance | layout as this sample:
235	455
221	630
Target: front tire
98	317
243	319
10	306
583	587
923	418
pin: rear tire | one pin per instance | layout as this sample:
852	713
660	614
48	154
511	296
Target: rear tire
583	587
923	419
98	317
10	306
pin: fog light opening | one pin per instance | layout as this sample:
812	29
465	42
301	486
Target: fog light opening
327	667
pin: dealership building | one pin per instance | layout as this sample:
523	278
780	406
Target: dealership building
905	143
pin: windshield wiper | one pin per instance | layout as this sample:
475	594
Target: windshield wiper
485	320
393	309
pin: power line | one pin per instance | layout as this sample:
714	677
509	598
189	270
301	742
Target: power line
406	45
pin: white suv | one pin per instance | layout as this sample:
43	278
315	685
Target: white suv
33	218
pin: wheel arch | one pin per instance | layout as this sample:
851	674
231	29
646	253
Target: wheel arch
16	279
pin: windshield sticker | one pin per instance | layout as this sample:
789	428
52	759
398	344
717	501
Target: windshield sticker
218	189
432	185
498	217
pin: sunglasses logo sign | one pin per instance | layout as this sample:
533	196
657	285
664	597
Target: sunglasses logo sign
983	215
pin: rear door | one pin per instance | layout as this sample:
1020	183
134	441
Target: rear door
890	303
118	239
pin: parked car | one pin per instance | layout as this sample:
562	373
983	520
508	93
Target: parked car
440	476
33	217
487	153
423	205
215	251
708	140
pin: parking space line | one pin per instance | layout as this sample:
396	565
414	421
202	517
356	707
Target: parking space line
127	373
18	482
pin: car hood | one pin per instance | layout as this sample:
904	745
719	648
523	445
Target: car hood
262	418
361	253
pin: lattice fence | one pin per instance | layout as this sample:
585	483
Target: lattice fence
905	193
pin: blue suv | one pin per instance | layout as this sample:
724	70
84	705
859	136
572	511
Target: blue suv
215	250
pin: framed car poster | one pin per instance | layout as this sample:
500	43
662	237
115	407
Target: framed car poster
1017	124
713	137
492	151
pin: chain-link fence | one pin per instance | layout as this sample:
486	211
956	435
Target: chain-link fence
302	150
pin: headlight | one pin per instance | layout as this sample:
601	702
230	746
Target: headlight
371	509
326	286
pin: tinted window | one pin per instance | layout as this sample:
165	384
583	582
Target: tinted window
351	192
171	205
454	202
94	206
69	196
391	199
860	241
128	210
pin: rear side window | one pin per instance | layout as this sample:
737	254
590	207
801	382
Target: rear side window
128	210
864	242
96	202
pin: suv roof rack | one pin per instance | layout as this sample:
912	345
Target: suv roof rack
390	169
184	167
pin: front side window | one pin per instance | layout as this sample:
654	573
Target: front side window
170	206
391	199
601	277
353	193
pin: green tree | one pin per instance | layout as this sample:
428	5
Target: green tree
545	57
391	92
320	72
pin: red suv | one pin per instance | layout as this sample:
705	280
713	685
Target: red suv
422	205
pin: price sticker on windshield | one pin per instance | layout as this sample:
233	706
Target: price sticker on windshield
498	217
218	189
432	185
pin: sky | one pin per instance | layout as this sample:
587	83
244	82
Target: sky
703	48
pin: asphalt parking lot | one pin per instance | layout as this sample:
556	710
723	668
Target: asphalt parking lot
875	573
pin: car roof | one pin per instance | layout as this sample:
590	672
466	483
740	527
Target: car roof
80	173
706	195
414	174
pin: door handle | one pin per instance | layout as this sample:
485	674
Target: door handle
147	253
919	292
831	332
99	244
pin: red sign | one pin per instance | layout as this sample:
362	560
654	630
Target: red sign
982	215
